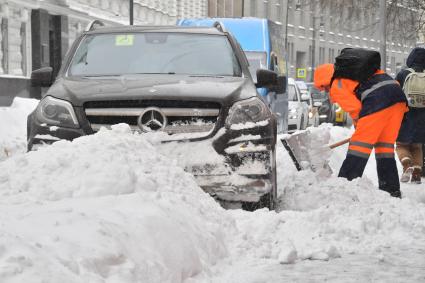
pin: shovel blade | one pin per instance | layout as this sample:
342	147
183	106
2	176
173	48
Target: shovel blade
307	150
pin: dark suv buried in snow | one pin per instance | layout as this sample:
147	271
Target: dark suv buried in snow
191	83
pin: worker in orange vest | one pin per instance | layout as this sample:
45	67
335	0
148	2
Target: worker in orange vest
376	106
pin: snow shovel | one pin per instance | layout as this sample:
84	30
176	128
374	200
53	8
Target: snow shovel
306	155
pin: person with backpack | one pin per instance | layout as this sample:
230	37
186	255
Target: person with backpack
376	103
412	131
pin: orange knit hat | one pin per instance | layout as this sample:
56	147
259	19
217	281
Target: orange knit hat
323	75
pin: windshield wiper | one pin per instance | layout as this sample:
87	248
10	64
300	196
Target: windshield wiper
207	76
168	73
106	75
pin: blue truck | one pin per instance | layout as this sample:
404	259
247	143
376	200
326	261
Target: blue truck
262	41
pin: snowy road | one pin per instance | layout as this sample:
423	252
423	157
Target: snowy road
94	210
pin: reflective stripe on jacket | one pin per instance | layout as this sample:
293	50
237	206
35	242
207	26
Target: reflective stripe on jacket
379	92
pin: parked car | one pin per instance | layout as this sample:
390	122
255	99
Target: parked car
192	83
313	108
263	43
326	108
298	109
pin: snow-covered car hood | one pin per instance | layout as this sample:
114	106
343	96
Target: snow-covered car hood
224	90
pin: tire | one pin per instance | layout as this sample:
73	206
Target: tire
271	204
268	200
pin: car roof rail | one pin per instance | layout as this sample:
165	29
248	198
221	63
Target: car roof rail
94	24
219	25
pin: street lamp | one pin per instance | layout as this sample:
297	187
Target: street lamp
286	25
131	12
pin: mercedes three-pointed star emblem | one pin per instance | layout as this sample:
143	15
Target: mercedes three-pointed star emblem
152	119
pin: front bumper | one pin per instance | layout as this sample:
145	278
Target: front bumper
253	144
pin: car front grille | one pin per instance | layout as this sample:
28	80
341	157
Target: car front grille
181	117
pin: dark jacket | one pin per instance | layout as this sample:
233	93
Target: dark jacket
413	126
379	92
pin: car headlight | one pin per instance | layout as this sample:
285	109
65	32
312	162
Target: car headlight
249	110
56	112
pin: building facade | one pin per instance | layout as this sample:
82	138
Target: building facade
38	33
315	34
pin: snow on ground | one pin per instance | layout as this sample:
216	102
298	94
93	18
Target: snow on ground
13	126
98	210
112	208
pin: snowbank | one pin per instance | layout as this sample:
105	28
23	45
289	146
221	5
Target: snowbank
104	208
13	125
327	217
112	208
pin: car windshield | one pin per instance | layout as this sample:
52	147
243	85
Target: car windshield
154	53
302	86
257	60
292	93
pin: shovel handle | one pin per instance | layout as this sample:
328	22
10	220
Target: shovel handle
339	143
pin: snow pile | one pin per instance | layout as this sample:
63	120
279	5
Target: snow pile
327	217
105	208
13	125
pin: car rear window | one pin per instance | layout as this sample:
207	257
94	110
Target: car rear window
154	53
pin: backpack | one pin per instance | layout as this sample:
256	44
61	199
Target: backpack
357	64
414	88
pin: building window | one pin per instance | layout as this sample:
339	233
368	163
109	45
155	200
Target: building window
24	48
279	17
266	9
4	46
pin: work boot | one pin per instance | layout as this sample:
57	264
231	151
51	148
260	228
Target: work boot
407	170
396	194
416	175
388	176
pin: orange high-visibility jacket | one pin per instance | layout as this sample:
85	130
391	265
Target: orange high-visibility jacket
377	93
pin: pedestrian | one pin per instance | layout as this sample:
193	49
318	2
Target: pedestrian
376	103
412	131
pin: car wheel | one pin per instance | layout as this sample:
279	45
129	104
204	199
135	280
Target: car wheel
268	200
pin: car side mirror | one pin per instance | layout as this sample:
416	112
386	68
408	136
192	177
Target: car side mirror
266	78
42	77
317	103
305	97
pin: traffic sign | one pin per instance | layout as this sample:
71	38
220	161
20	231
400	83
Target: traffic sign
301	73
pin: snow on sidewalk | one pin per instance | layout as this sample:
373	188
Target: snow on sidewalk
13	126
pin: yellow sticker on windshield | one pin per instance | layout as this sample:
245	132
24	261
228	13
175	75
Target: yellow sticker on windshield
124	40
